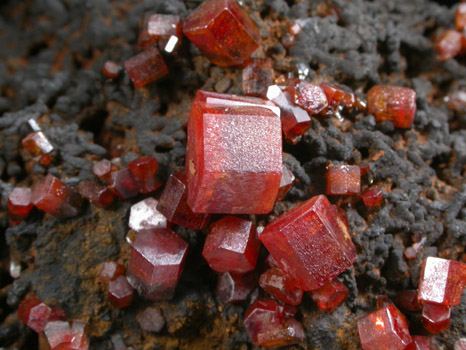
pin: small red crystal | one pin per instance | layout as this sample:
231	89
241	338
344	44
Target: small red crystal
19	204
343	180
286	183
95	193
457	101
174	206
294	28
63	336
120	292
111	69
421	343
39	146
384	329
143	170
146	67
110	271
365	168
231	245
448	44
372	197
288	41
257	76
435	317
407	300
281	286
35	314
102	169
223	31
234	288
307	96
159	26
460	344
311	243
151	320
123	184
144	215
337	98
330	296
460	17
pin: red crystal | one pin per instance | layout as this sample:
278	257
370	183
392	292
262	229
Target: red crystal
384	329
343	180
120	292
223	31
448	44
307	96
330	296
54	197
457	101
288	41
144	215
294	29
151	320
338	98
394	103
460	344
159	26
63	336
123	184
281	286
35	314
102	169
231	245
174	206
382	301
95	193
442	281
270	325
146	67
111	69
156	263
257	76
407	300
295	120
233	155
364	168
311	243
460	17
143	170
39	146
372	197
110	271
435	317
19	204
286	183
421	343
234	288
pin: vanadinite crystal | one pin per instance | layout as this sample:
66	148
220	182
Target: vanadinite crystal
111	70
307	96
156	262
330	296
159	26
294	28
19	204
384	329
102	169
35	314
233	155
372	197
120	292
61	335
174	206
146	67
54	197
457	101
394	103
442	281
286	183
278	284
39	146
271	325
448	44
96	193
123	184
234	288
421	343
407	300
144	215
110	271
311	243
257	76
343	180
338	98
231	245
460	344
460	17
435	317
151	320
223	31
143	170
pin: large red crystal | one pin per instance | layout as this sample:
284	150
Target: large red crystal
156	262
448	44
257	76
343	180
384	329
223	31
19	204
61	335
435	317
123	184
120	292
110	271
231	245
234	288
146	67
39	146
144	215
330	296
54	197
442	281
270	325
281	286
143	170
394	103
311	243
95	193
234	155
174	206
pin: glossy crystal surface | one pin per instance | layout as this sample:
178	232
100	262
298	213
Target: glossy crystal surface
460	17
111	69
146	67
435	317
123	184
96	193
307	96
120	292
330	296
159	26
102	169
407	300
235	288
39	146
110	271
343	180
63	335
286	183
143	170
372	197
19	204
257	76
144	215
281	286
448	44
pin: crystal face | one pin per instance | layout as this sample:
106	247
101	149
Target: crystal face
435	317
39	146
233	155
111	70
146	67
460	344
123	184
343	180
223	31
460	17
156	262
278	284
143	170
257	76
234	288
110	271
159	26
330	296
372	197
174	206
231	245
144	215
442	281
96	193
120	292
337	98
448	44
61	335
286	183
307	96
384	329
394	103
407	300
311	243
19	204
35	314
421	343
151	320
102	169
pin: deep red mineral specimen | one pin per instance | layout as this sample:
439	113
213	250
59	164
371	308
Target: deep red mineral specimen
231	245
448	44
435	317
233	155
460	344
151	320
271	325
407	300
330	296
294	28
311	243
337	98
156	263
286	183
35	314
372	197
146	67
384	329
288	41
144	215
442	281
96	193
234	288
123	184
460	17
343	180
421	343
257	76
54	197
281	286
223	31
174	206
111	69
159	26
120	292
457	101
102	169
394	103
110	271
61	335
307	96
19	204
143	170
39	146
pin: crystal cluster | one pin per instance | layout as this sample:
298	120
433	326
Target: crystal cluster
120	292
38	145
162	30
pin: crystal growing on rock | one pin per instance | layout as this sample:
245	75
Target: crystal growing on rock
123	184
307	96
61	335
343	180
223	31
96	193
35	314
372	197
288	41
39	146
294	28
460	17
337	98
159	26
102	169
151	320
311	243
231	245
234	288
435	317
407	300
448	44
144	215
281	286
19	204
174	206
460	344
257	76
146	67
111	69
330	296
286	183
110	271
143	170
421	343
120	292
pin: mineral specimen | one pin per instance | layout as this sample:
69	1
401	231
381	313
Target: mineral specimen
146	67
234	288
343	180
19	204
278	284
120	292
330	296
144	215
